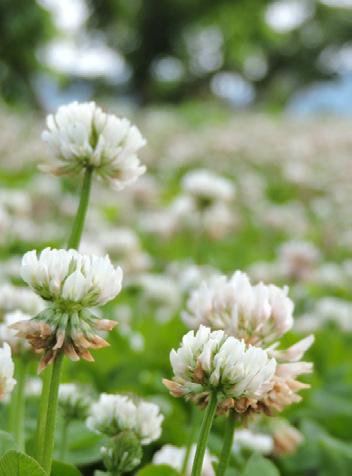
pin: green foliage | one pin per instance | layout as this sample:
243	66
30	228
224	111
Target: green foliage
7	442
157	470
257	465
64	469
24	26
15	463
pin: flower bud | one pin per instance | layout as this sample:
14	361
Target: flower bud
122	453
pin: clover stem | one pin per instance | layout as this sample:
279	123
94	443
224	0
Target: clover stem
78	224
191	438
204	435
64	438
228	442
18	403
47	454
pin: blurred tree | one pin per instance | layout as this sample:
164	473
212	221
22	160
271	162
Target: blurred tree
187	41
24	26
146	32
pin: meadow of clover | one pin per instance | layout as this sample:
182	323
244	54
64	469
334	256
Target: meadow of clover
175	294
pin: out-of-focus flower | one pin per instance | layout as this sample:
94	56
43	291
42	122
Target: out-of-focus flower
83	136
34	386
209	362
113	414
72	283
73	402
123	245
297	259
253	440
13	298
174	457
160	292
325	310
8	335
258	314
206	187
286	437
7	369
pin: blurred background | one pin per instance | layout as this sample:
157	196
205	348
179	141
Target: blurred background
292	55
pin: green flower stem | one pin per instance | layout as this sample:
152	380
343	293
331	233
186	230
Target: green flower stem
47	454
43	408
18	403
64	438
78	224
191	438
204	435
228	442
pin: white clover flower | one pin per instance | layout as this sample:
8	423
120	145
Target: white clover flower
174	457
68	277
73	283
74	403
8	335
113	414
206	186
258	314
210	361
7	369
149	420
83	136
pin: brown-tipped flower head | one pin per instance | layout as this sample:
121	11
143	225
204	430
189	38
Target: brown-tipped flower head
208	362
72	283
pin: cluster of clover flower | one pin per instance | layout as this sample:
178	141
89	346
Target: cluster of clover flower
230	363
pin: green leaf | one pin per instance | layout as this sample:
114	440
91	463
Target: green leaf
336	456
158	470
7	442
257	465
15	463
64	469
83	447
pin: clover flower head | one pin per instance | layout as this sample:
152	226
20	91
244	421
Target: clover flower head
113	414
207	187
258	314
210	361
7	369
82	136
67	277
73	402
72	283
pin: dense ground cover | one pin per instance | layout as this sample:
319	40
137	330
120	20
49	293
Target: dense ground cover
287	221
